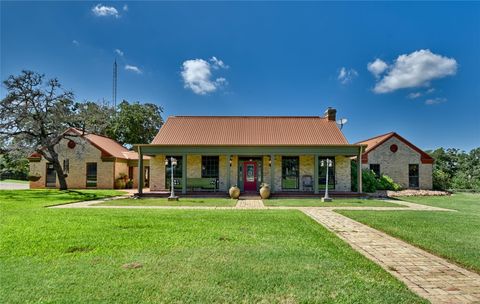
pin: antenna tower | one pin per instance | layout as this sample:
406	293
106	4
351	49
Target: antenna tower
114	97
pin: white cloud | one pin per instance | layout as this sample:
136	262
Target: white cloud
218	64
197	75
119	52
75	42
434	101
416	69
101	10
133	68
377	67
414	95
125	8
346	75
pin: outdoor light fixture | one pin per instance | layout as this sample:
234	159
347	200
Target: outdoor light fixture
173	163
270	161
326	163
230	161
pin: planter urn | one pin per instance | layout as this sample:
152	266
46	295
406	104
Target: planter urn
265	191
234	192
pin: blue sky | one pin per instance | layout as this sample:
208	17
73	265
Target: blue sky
412	68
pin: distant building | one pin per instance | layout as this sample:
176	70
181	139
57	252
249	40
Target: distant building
393	155
89	161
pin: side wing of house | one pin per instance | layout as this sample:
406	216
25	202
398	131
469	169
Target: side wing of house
406	164
86	166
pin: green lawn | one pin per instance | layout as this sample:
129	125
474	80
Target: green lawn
15	181
210	202
316	202
147	256
453	235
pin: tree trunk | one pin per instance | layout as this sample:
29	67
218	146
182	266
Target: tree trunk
61	177
58	168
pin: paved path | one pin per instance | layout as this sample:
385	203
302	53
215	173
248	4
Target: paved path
13	186
429	276
250	204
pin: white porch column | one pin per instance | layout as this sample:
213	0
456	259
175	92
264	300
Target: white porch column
140	171
359	170
272	173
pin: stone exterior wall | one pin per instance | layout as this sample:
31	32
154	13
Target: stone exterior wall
157	173
234	171
342	174
306	168
194	166
396	164
222	172
83	153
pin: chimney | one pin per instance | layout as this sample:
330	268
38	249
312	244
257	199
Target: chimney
331	114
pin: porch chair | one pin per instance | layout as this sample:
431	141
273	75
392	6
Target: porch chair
307	182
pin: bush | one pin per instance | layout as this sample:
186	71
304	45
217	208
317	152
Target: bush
385	182
371	182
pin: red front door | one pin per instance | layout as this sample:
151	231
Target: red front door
250	176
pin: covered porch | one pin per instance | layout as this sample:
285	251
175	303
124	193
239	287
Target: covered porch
212	170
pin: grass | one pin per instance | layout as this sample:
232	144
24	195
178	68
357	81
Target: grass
146	256
452	235
15	181
210	202
316	202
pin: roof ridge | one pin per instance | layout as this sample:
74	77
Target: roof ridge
371	138
243	116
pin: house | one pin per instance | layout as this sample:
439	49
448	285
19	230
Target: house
215	152
89	161
393	155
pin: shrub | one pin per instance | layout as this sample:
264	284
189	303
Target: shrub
385	182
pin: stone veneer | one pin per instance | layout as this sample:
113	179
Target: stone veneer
194	170
396	164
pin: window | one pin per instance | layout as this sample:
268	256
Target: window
413	176
210	166
66	166
322	173
290	171
91	175
177	173
376	169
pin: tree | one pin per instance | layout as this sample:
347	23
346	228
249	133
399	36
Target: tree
93	117
35	114
135	123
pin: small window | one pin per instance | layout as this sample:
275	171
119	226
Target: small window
91	175
290	172
413	176
66	166
210	166
376	169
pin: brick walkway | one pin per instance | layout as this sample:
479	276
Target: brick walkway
429	276
250	204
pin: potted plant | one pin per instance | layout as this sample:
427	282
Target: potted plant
265	191
129	184
234	192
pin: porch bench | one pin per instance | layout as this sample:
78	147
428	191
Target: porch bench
196	184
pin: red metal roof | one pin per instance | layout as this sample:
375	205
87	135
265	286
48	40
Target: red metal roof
249	131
